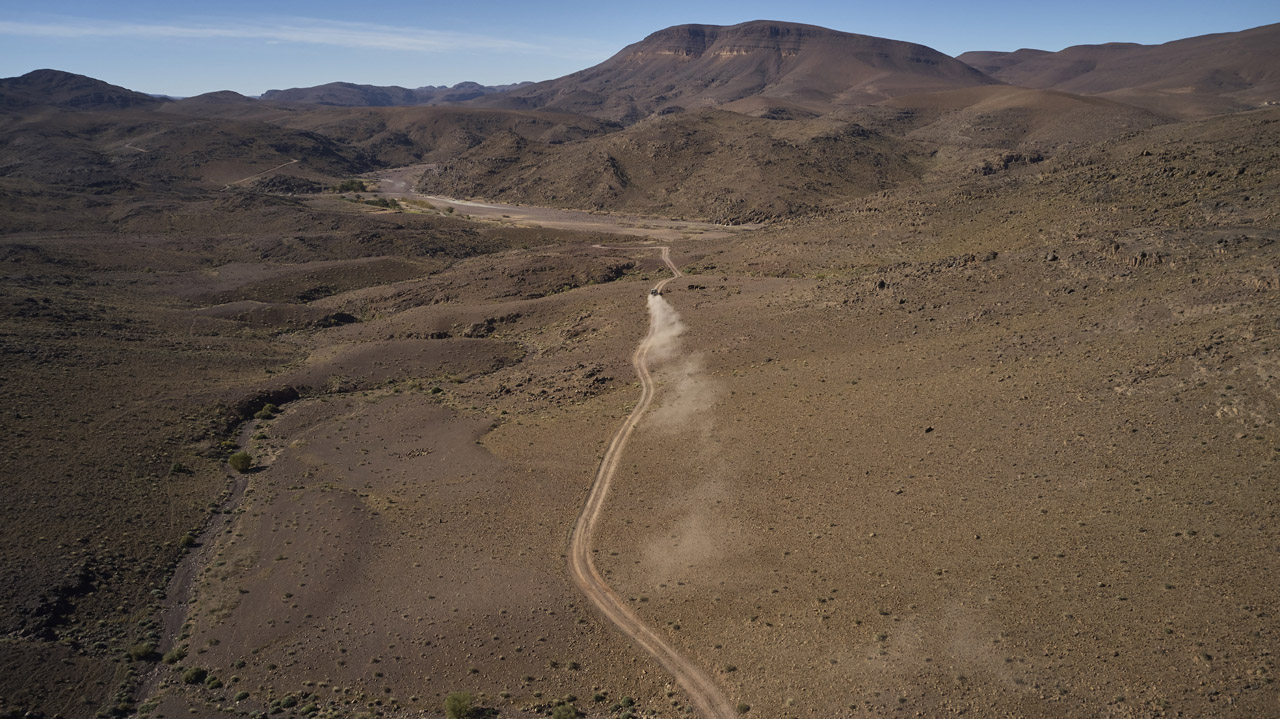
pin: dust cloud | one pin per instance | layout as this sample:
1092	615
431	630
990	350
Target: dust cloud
665	329
685	390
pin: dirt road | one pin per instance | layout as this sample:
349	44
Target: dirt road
398	183
703	691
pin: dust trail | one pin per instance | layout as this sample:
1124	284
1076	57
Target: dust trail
686	390
664	329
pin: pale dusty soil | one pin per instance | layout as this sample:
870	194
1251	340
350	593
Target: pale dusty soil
967	507
970	492
1006	448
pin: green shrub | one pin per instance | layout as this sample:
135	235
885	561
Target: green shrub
458	706
564	711
194	675
743	707
241	696
240	461
351	186
175	655
142	651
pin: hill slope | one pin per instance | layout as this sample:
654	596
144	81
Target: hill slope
693	66
711	164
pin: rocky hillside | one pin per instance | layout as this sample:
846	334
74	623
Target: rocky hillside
716	165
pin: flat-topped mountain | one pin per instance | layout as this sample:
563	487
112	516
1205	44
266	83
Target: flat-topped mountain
695	66
1198	75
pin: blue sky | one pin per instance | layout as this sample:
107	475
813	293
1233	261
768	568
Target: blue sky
250	47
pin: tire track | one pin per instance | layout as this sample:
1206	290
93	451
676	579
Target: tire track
703	692
258	174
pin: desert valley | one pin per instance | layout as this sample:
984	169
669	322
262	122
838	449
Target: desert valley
761	370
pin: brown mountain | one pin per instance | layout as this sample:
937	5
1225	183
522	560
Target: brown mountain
694	66
67	90
1199	75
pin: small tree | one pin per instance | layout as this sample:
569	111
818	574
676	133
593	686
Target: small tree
458	706
240	461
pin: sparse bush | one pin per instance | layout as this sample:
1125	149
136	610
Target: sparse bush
383	202
175	655
351	186
564	711
458	706
142	651
240	461
187	540
241	696
194	675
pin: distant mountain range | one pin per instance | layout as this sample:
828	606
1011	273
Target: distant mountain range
786	70
1220	72
346	94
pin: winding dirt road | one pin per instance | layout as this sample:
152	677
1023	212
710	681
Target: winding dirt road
703	691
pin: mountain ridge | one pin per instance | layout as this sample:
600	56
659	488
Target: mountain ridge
1225	72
